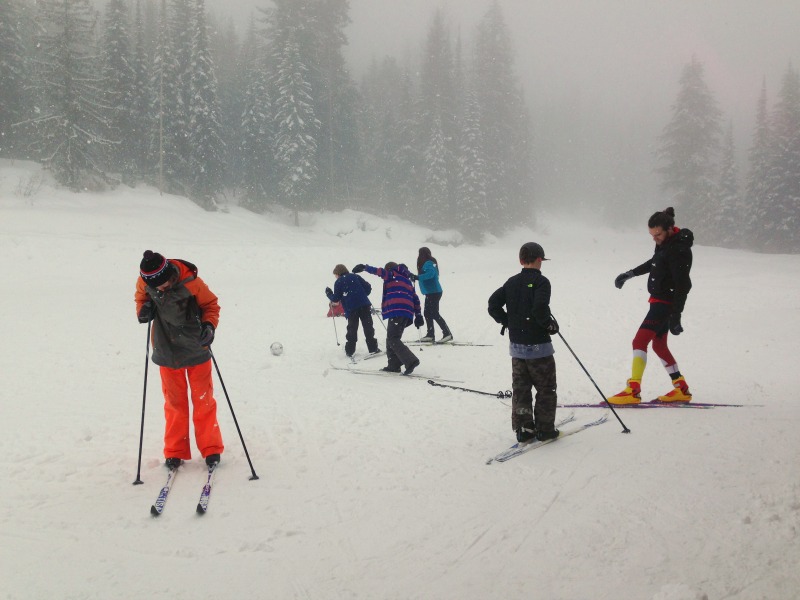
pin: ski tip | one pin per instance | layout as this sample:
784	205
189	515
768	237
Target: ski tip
200	509
154	511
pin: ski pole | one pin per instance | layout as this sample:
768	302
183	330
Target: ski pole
144	397
252	470
333	318
375	311
624	428
500	394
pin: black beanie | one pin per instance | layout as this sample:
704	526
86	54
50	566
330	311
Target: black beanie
154	269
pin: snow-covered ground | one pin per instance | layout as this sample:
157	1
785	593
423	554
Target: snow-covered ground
377	487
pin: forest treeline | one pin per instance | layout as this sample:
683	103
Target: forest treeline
155	91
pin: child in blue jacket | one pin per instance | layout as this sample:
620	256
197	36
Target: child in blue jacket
352	291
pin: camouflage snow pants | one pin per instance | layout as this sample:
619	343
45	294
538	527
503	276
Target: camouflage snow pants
539	373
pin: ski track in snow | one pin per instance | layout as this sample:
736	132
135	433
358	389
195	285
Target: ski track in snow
372	487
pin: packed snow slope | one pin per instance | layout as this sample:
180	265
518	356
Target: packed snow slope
376	487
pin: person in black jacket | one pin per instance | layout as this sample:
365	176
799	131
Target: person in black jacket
522	306
669	284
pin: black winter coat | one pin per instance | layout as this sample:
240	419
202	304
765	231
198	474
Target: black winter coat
526	298
669	270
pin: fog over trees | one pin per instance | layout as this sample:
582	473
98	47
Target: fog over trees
269	116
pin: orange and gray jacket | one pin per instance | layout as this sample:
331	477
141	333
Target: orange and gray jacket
179	314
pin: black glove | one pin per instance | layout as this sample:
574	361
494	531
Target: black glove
146	313
622	278
206	334
675	326
358	268
419	321
328	292
412	277
552	326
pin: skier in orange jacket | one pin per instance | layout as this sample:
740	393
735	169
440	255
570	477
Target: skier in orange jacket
185	314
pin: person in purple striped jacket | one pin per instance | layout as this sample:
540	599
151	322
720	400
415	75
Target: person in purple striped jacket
401	307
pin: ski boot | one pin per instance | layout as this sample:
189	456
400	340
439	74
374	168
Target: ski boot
630	395
526	433
680	393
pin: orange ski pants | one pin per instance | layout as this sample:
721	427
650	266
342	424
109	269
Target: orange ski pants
176	410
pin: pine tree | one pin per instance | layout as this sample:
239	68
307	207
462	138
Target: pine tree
437	118
689	147
257	136
335	100
205	144
141	99
757	187
296	130
727	217
505	124
12	77
118	87
406	166
70	129
471	200
435	207
167	122
781	220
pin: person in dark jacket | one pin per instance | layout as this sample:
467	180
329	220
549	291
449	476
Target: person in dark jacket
668	284
185	315
353	293
401	307
522	306
429	286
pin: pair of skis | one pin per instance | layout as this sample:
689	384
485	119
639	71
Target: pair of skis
659	404
205	495
354	361
519	448
389	374
449	343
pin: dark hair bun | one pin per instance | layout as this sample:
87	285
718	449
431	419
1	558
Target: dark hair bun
670	211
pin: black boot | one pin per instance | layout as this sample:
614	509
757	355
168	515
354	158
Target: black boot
526	432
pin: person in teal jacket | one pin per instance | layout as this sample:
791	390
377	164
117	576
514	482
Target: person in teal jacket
429	286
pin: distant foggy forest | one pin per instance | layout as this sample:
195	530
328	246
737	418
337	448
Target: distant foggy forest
155	91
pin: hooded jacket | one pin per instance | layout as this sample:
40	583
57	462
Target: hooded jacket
399	298
352	291
429	279
179	313
669	280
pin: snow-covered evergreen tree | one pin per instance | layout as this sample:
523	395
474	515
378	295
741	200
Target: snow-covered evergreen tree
727	217
12	77
142	97
167	121
757	187
70	125
781	218
257	136
505	124
471	204
406	166
689	147
296	130
118	90
205	143
436	205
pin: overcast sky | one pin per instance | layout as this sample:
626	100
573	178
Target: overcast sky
611	50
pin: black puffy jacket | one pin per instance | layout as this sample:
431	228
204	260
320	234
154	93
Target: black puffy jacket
669	269
526	298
